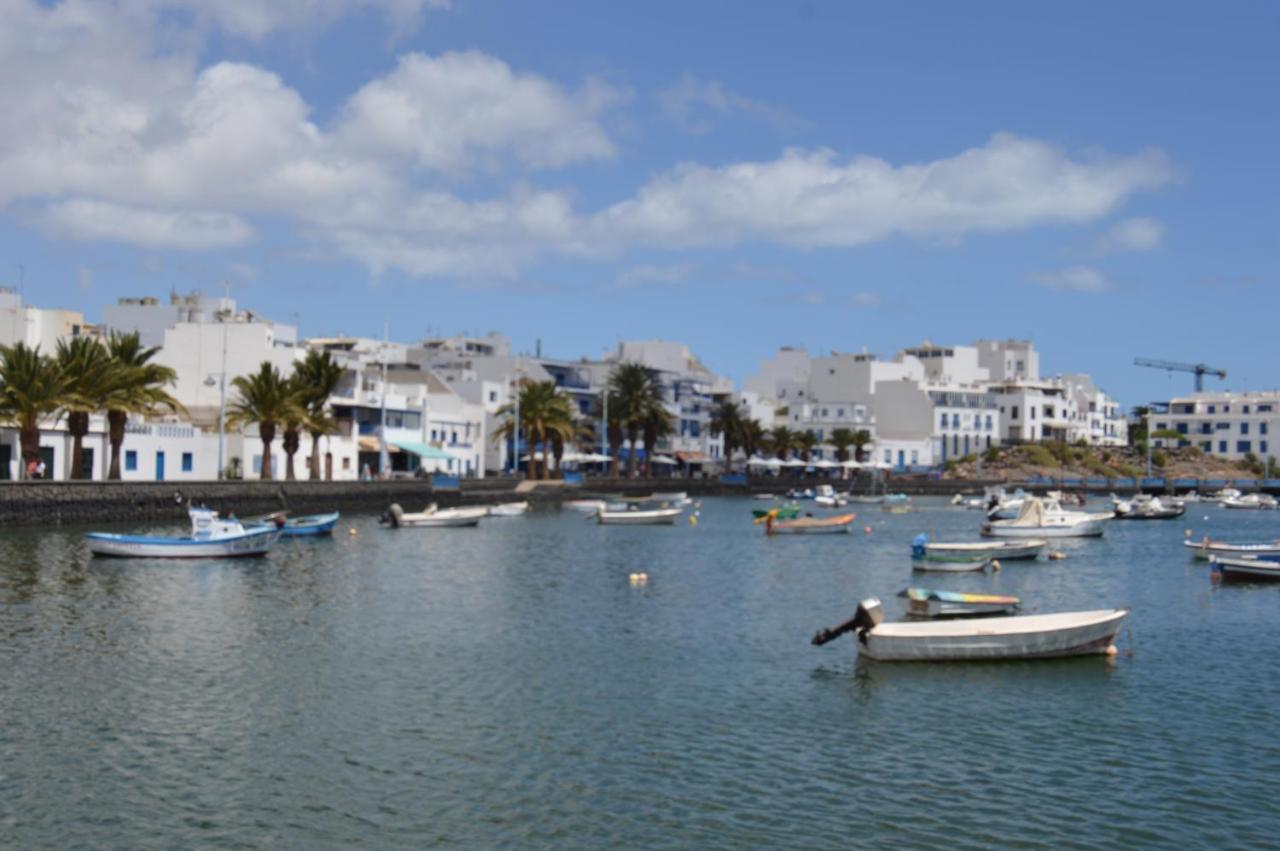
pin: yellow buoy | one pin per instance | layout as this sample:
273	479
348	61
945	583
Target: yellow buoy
1057	556
1111	650
866	530
353	531
693	520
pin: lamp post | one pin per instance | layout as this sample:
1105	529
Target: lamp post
222	316
515	436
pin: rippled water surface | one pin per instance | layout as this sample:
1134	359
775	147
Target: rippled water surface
509	686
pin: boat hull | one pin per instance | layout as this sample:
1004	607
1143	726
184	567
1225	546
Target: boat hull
984	551
1019	637
306	527
1246	570
1083	529
658	517
252	544
959	566
508	509
1205	550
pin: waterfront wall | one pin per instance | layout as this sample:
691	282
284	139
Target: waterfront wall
55	502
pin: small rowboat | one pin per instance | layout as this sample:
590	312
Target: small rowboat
434	516
840	524
310	525
927	603
957	566
586	506
508	509
982	639
1246	569
639	517
211	537
784	512
1206	548
922	550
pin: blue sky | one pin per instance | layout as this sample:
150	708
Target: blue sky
1100	177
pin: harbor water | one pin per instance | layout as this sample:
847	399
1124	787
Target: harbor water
513	685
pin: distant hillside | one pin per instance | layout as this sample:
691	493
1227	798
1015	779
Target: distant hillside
1058	459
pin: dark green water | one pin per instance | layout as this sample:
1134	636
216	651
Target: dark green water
508	686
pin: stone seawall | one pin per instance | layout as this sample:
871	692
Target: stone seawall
36	503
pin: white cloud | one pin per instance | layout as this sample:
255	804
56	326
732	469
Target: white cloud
139	144
811	198
1130	235
256	19
97	220
444	112
865	299
650	274
691	103
1081	279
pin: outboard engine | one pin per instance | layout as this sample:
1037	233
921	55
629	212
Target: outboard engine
869	614
919	545
393	515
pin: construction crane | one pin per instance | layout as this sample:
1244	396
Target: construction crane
1201	370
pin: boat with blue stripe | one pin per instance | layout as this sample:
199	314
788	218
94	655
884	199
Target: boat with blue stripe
307	526
211	537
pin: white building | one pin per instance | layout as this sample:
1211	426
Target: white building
1225	425
36	326
151	451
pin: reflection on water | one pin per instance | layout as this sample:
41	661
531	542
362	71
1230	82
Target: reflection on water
508	685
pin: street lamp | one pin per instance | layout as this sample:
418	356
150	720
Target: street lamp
222	411
515	437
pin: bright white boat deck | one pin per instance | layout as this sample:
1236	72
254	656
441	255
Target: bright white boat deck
1018	637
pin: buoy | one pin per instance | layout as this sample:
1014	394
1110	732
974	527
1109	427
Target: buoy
995	564
693	519
1186	534
1111	650
353	531
866	530
639	578
1057	556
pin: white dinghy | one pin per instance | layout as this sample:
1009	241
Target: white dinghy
211	537
508	509
1206	548
1046	518
433	515
635	516
983	639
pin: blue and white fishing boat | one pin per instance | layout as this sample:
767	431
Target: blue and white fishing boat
1245	569
211	537
310	525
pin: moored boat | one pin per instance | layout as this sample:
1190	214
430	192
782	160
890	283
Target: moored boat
923	550
928	603
1144	507
1047	519
586	506
1205	548
1251	501
983	639
784	512
306	526
826	496
508	509
211	537
634	516
1245	569
958	566
434	516
841	523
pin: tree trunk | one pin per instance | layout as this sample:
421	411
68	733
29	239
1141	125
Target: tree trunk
78	426
632	434
29	442
267	431
115	434
314	464
292	440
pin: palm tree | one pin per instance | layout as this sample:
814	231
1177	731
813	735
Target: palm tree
85	363
657	425
805	443
545	415
318	376
635	392
32	388
614	433
134	385
841	439
861	438
727	420
294	421
754	437
783	440
264	398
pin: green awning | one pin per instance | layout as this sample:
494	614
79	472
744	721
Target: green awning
424	450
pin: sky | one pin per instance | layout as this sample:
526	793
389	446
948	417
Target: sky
1102	178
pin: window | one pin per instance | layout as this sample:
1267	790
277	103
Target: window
1161	426
1226	409
130	459
1262	447
188	463
1031	412
1181	428
988	422
944	420
1264	409
1013	412
840	413
1244	446
1246	409
493	395
1222	447
1244	428
346	462
1262	428
915	457
1207	446
1213	409
1223	426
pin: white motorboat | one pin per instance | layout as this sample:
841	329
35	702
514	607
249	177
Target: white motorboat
1001	505
211	537
1045	518
434	516
1206	548
979	551
680	498
636	516
928	603
586	506
508	509
982	639
1188	498
1146	507
1247	569
970	502
826	496
866	499
1223	494
1251	501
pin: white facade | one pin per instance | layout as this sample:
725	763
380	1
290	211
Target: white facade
161	451
36	326
1225	425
